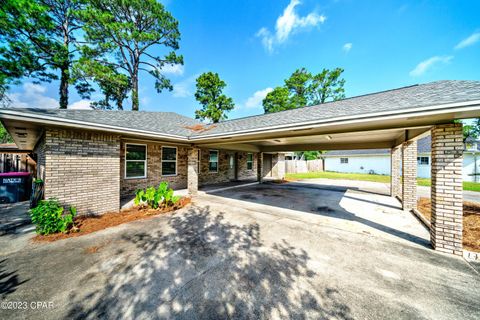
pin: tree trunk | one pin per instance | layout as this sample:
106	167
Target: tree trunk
135	91
119	105
64	79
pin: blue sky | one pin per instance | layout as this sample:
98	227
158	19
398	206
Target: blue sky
255	45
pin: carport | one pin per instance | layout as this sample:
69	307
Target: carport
393	119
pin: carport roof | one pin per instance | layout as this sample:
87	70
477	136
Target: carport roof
432	96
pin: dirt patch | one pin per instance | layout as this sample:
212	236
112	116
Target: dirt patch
471	222
89	224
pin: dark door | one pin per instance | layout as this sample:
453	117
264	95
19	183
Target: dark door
267	165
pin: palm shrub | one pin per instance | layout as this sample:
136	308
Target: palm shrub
155	198
49	218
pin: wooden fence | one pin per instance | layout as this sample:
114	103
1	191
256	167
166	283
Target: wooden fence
302	166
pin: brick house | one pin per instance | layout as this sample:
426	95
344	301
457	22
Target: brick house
93	159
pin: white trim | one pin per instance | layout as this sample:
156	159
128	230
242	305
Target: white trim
176	162
384	115
218	160
145	168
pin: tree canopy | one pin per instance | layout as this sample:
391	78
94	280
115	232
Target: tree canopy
215	104
120	36
37	40
303	88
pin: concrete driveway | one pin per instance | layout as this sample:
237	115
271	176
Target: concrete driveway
268	251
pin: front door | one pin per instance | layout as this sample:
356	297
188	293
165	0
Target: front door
232	166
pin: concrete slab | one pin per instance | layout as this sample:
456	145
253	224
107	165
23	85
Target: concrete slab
267	251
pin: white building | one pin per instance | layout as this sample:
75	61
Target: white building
378	161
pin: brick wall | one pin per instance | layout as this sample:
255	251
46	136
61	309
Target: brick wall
154	173
40	152
409	172
82	169
395	176
447	190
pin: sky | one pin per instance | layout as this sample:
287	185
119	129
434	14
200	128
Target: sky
254	45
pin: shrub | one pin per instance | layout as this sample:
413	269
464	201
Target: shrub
155	198
49	218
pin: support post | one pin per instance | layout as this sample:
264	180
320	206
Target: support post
260	167
395	174
447	190
409	173
192	172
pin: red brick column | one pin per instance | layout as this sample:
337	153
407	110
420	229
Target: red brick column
395	174
447	190
409	172
260	167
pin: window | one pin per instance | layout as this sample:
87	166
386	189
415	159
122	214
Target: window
344	160
249	161
422	160
135	161
169	161
213	161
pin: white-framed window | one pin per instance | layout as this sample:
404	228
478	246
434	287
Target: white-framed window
213	161
344	160
169	161
249	161
423	160
135	160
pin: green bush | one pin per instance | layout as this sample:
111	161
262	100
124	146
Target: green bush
155	198
49	218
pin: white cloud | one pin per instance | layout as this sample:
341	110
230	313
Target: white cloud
173	69
425	65
467	42
347	47
184	88
80	105
287	24
33	96
255	101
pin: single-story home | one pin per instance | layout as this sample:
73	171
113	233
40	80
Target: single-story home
377	161
93	159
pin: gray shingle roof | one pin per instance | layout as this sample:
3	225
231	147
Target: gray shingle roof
424	95
430	94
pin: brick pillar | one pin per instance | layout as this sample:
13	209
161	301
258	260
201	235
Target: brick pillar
260	167
409	173
192	171
447	190
395	174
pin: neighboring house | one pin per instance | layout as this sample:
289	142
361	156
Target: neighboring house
378	161
12	159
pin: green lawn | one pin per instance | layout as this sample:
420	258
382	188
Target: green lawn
472	186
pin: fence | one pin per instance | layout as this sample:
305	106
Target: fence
302	166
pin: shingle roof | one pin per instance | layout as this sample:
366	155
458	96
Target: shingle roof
416	96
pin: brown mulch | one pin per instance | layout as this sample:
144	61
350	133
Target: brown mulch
471	222
89	224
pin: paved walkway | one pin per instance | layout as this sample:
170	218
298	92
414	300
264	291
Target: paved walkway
265	252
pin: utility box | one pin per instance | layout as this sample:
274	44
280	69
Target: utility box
15	186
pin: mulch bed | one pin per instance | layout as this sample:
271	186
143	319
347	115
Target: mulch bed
89	224
471	222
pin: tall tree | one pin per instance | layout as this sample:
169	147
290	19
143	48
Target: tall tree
115	86
37	40
304	89
126	35
214	103
326	85
298	86
4	136
277	100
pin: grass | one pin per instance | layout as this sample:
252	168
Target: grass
471	222
471	186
